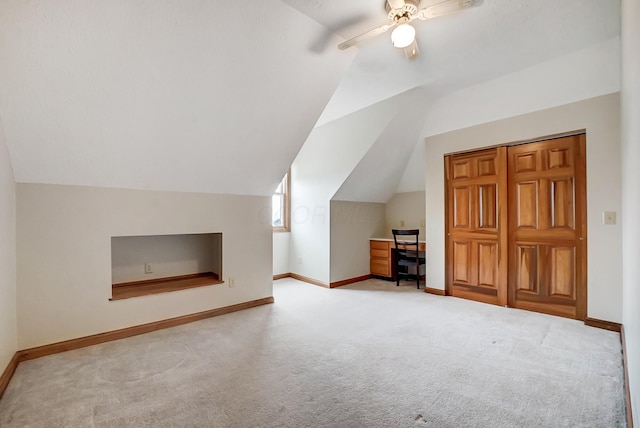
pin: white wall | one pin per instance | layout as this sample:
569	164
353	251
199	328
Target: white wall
352	224
325	161
281	253
601	118
64	256
577	76
8	326
580	75
631	194
407	207
413	177
387	162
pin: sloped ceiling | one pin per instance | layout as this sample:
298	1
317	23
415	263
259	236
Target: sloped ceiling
461	49
218	96
202	96
334	150
379	173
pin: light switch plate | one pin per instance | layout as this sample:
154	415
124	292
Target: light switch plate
609	217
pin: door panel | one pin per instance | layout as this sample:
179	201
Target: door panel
547	226
488	264
462	262
559	158
563	278
562	203
461	207
487	166
476	250
527	201
525	162
527	278
488	206
462	169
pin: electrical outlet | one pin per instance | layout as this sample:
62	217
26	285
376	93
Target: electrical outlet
401	223
422	223
299	260
609	217
148	268
232	282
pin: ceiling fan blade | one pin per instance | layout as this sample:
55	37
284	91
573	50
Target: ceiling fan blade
446	7
322	42
412	51
396	4
364	36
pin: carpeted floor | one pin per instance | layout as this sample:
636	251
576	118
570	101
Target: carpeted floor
365	355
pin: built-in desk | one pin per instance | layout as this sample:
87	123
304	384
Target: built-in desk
381	256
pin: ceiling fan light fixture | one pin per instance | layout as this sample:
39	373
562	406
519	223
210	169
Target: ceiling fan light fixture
403	35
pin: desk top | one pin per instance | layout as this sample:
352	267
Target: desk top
391	240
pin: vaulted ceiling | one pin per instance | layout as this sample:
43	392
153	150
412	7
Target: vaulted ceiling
460	49
189	95
219	96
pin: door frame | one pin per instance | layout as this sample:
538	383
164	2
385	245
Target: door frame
580	195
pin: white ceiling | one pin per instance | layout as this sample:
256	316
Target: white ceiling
461	49
218	96
190	95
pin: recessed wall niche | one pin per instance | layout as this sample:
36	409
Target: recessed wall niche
142	265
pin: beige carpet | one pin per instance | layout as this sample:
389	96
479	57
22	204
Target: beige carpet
365	355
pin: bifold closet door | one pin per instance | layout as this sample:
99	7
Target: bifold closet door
547	226
476	245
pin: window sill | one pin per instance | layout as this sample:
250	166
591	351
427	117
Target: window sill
127	290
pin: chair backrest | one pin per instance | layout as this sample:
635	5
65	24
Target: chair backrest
407	254
408	233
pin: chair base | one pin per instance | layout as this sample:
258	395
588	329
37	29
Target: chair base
408	278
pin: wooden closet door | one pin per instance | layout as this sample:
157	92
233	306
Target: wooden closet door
547	226
476	245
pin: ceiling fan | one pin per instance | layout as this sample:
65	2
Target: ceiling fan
400	14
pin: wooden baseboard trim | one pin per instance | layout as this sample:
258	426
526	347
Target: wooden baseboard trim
349	281
607	325
68	345
320	283
309	280
8	372
626	378
435	291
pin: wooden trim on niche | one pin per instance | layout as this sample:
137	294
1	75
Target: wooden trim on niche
435	291
127	290
8	372
282	276
68	345
607	325
626	377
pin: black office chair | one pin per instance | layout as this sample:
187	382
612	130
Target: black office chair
409	260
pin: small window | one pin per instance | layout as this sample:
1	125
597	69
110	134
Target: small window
281	205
